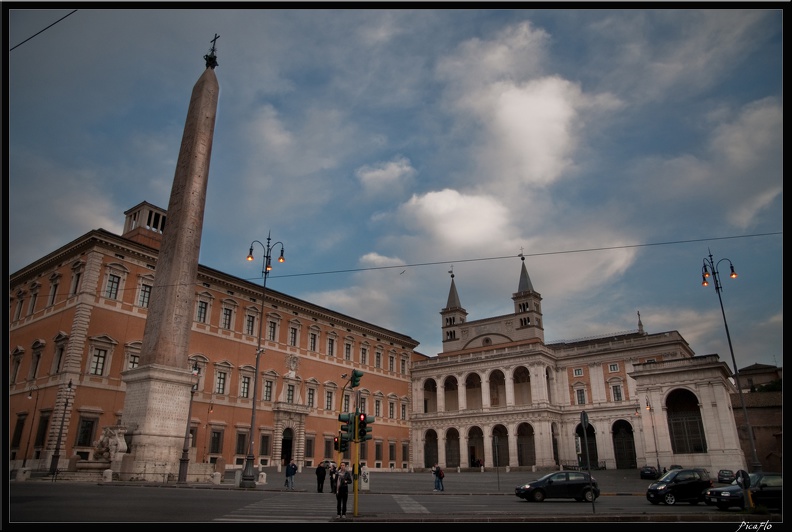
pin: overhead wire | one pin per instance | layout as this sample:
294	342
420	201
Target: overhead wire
42	31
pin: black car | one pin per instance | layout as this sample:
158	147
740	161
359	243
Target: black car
765	489
679	485
649	472
725	476
560	485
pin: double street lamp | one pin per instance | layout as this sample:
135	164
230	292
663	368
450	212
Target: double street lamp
33	388
248	474
184	462
711	266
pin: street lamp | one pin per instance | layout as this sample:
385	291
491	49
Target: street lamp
56	456
710	264
654	431
248	474
33	388
184	462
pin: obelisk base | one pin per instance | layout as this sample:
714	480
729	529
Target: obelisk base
155	416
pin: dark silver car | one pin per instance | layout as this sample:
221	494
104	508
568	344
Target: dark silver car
678	485
560	485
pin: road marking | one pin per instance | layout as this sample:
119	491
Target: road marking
410	505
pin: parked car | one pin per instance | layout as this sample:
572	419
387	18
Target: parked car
560	485
679	485
674	466
726	476
649	472
766	489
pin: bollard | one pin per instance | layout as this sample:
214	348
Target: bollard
262	478
23	474
215	478
107	475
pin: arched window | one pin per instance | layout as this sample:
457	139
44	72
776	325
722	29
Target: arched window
684	423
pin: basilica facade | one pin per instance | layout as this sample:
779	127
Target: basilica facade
498	395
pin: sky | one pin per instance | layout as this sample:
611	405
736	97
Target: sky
386	148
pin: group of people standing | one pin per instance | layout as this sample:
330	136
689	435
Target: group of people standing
340	479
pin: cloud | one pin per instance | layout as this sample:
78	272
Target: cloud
391	177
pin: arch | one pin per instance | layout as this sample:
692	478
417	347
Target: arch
430	448
287	445
452	452
497	388
685	427
430	397
623	445
451	393
522	386
473	386
526	445
475	437
500	446
591	439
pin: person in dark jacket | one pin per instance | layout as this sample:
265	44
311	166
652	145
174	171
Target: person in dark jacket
343	480
333	479
321	473
291	470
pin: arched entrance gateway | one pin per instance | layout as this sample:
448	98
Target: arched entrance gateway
624	445
590	439
287	446
430	448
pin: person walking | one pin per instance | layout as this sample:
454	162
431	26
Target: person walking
343	480
291	470
439	475
333	475
321	472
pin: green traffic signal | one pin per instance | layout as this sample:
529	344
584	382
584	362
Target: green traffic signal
354	381
348	421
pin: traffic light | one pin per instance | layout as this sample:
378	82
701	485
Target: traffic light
363	430
348	421
343	443
336	443
354	381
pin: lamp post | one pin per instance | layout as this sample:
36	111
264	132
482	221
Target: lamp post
33	388
184	462
56	456
248	474
711	265
654	432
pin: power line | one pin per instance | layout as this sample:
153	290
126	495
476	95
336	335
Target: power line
586	250
42	31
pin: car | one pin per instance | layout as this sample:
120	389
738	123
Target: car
765	488
679	485
560	485
649	472
329	463
674	466
726	476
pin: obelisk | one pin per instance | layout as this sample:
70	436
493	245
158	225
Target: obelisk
158	391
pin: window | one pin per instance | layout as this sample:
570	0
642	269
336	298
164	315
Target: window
77	269
404	411
328	447
264	448
250	323
331	347
347	351
271	330
290	393
220	382
203	308
134	361
392	452
403	367
41	432
617	392
379	360
362	404
32	307
98	362
346	403
216	445
377	405
328	400
268	390
20	303
312	342
54	280
145	295
241	443
111	290
34	365
578	372
59	358
581	396
227	312
613	368
405	451
311	397
17	437
391	363
292	336
363	355
86	432
244	390
391	410
378	452
15	368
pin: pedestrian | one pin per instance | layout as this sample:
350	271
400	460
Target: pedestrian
439	475
342	490
291	469
333	475
321	472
